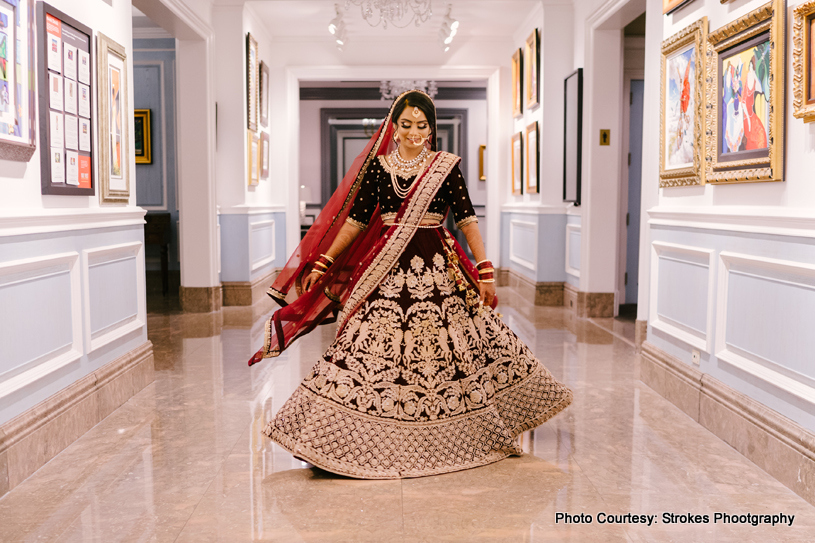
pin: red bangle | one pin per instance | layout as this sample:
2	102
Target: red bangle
483	265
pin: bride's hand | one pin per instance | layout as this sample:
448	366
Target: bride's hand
487	291
312	278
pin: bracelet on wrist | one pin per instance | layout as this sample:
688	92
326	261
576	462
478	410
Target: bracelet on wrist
330	260
486	280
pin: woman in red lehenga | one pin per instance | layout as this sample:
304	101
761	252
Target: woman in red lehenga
423	376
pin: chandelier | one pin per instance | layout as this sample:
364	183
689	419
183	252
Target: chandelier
398	13
390	90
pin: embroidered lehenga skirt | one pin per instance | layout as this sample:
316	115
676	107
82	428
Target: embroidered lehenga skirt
417	383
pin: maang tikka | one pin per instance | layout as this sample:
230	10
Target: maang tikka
416	112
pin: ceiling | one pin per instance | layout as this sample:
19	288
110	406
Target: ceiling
310	18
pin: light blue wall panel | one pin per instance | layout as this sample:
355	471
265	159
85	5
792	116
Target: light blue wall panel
109	302
542	242
242	245
758	313
574	249
35	318
765	318
683	293
147	82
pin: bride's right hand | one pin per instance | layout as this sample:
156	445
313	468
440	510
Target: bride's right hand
312	278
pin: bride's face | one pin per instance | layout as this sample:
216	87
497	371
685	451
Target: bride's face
412	129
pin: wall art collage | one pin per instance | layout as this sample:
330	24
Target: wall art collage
72	106
257	88
525	97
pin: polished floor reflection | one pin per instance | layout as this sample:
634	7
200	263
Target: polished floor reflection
184	460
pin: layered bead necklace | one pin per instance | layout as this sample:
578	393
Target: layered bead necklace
406	168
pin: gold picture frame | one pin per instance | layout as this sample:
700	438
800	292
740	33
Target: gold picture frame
143	144
517	163
803	61
532	70
517	84
733	155
114	145
669	6
482	174
253	158
252	84
682	105
532	167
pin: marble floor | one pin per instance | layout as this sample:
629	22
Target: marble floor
184	460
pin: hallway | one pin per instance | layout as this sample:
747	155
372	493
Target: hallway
184	459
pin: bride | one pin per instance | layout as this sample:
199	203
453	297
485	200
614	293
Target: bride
423	376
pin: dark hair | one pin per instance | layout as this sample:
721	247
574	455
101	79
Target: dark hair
425	104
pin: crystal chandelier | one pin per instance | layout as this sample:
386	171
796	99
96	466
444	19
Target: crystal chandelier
398	13
389	90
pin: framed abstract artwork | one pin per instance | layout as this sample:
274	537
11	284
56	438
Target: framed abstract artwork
532	159
517	84
264	155
253	157
681	145
573	136
252	87
517	163
264	94
66	114
114	147
143	144
745	96
803	61
532	70
18	108
669	6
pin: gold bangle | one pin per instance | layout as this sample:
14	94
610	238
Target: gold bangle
487	270
323	264
485	260
486	280
328	258
318	271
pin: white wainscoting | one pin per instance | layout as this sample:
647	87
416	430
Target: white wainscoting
523	243
764	320
573	233
261	243
682	293
38	342
114	294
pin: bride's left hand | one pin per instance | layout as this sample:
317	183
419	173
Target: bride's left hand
487	292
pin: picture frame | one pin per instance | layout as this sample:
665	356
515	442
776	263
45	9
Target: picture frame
264	155
669	6
682	106
517	163
517	84
65	102
253	158
482	174
143	143
745	76
803	61
532	154
18	106
114	147
264	94
532	70
252	88
573	137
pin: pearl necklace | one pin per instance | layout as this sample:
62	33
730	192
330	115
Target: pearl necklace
406	167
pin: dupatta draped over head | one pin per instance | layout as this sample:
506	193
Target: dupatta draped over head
368	257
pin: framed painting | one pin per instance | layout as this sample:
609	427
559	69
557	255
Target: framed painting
532	159
253	157
143	144
745	93
66	115
532	70
682	137
18	109
114	148
264	155
517	163
482	174
252	87
573	136
803	61
669	6
517	84
264	94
